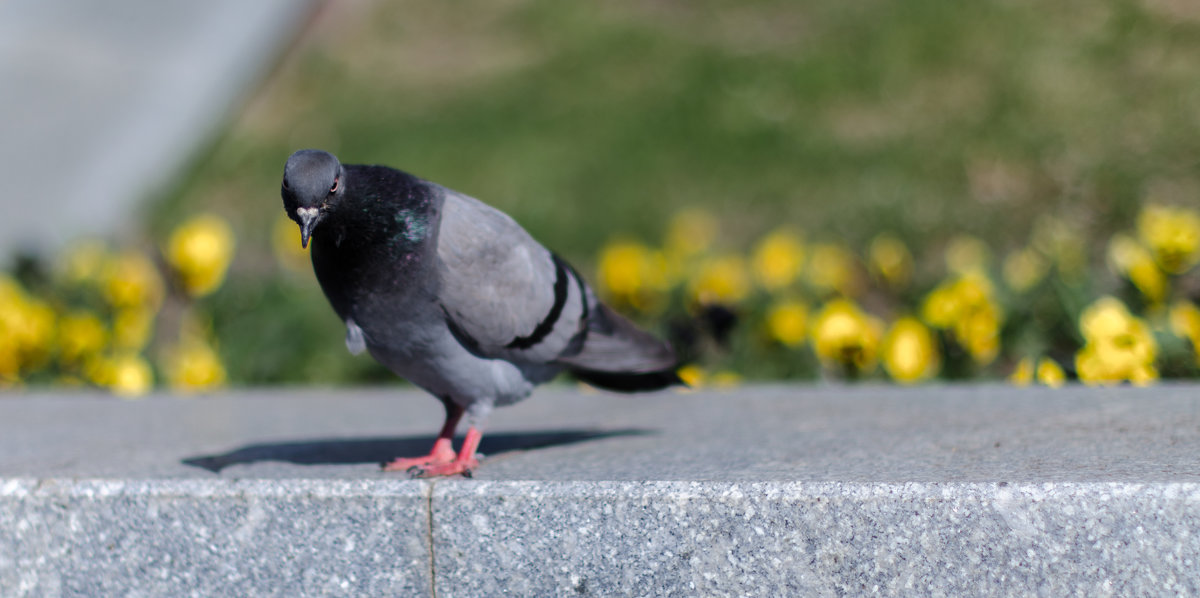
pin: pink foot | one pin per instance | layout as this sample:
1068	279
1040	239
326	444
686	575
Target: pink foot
441	454
463	464
455	467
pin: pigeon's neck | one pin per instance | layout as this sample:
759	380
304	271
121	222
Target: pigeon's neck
384	210
381	240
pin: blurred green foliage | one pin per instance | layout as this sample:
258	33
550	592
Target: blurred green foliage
586	121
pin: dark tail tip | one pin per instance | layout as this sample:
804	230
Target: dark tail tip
630	382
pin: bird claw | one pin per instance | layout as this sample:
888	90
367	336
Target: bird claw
407	464
456	467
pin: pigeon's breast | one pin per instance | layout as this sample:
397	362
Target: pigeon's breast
378	279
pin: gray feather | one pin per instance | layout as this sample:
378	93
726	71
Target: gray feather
499	285
355	342
614	344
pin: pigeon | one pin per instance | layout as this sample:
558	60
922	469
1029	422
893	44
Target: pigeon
453	295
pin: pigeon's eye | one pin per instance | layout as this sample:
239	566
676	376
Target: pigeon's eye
334	188
286	185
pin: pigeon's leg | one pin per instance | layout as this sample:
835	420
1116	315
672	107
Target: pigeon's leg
443	449
463	464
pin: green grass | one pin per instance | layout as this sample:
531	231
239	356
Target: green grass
589	121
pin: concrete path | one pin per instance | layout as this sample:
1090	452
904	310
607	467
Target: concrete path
848	434
102	102
973	490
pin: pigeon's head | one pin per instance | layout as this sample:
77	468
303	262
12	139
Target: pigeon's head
312	185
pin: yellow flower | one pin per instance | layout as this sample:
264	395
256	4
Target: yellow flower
979	332
1185	323
131	280
1119	346
131	376
1022	375
1128	258
126	375
725	379
81	334
12	303
27	329
132	328
1096	366
1108	318
1173	235
965	253
695	377
1024	268
1050	373
942	306
778	259
286	247
689	233
843	334
622	269
631	274
966	305
891	260
692	375
38	332
194	366
721	280
910	352
200	251
832	268
787	321
10	366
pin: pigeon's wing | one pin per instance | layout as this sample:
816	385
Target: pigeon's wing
503	294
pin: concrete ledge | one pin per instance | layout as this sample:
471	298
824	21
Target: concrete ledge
193	538
760	491
816	539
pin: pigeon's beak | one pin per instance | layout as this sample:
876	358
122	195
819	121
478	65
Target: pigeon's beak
308	219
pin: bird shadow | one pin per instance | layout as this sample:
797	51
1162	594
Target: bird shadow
343	451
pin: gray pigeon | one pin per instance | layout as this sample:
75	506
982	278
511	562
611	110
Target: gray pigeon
455	296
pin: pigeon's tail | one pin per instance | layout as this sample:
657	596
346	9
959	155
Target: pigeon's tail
635	382
616	355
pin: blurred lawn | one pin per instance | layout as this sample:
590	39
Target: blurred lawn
587	121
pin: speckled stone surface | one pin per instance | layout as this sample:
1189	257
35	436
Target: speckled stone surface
816	539
773	490
91	538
